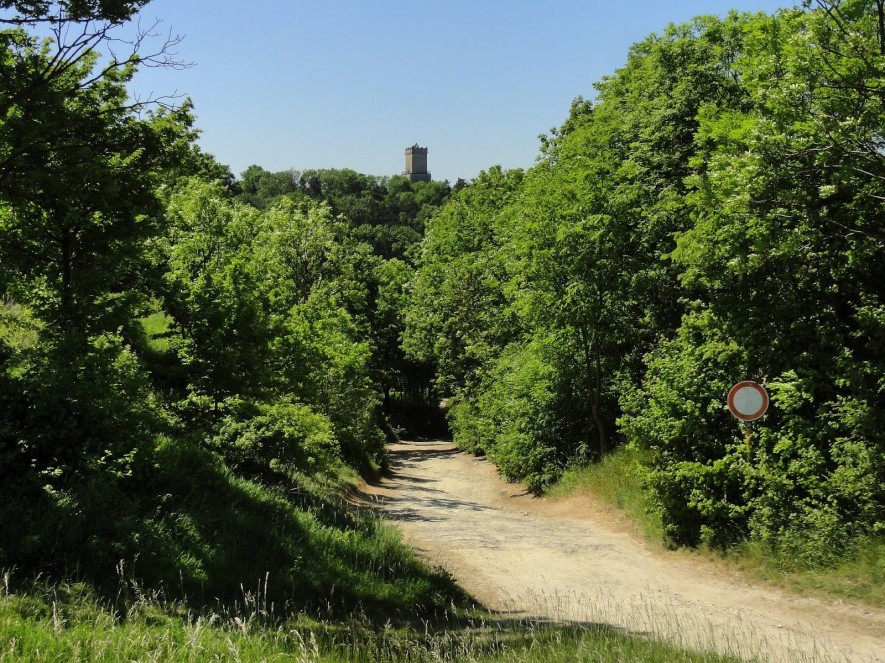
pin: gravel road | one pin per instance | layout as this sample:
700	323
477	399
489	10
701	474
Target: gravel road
575	560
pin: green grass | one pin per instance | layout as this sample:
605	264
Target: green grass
859	575
68	623
617	481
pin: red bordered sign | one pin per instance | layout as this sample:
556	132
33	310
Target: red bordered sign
748	400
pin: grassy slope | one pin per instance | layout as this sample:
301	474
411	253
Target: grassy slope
617	480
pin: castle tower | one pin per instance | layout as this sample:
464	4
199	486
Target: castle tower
416	164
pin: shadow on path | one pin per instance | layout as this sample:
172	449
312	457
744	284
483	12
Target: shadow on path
412	455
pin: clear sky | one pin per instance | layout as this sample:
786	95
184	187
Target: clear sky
352	83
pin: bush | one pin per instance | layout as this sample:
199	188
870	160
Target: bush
516	417
694	448
284	436
808	483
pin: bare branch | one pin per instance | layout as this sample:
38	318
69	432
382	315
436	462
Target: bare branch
856	231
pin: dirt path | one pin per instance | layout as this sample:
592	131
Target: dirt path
570	560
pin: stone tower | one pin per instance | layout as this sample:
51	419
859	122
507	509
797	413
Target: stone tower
416	164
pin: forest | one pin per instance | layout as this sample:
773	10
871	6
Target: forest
194	365
714	214
189	361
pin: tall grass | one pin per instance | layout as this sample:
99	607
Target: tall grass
617	480
67	623
859	575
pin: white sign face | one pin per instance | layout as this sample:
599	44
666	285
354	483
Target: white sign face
748	400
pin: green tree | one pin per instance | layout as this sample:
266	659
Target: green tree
213	289
80	11
261	188
78	171
571	267
392	368
785	265
459	316
322	350
39	76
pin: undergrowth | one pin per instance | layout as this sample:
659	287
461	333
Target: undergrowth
199	533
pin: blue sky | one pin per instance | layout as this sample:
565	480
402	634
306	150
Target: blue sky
352	83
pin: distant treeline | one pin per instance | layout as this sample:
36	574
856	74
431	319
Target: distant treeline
388	213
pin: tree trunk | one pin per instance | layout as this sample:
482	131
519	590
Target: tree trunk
593	364
880	8
66	296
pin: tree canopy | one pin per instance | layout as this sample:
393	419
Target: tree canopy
714	214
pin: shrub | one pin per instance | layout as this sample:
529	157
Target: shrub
285	435
516	416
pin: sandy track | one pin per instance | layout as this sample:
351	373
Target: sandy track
572	561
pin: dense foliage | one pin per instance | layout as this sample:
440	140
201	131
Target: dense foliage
186	358
388	213
713	215
188	361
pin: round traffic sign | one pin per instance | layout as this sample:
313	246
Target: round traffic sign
748	400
